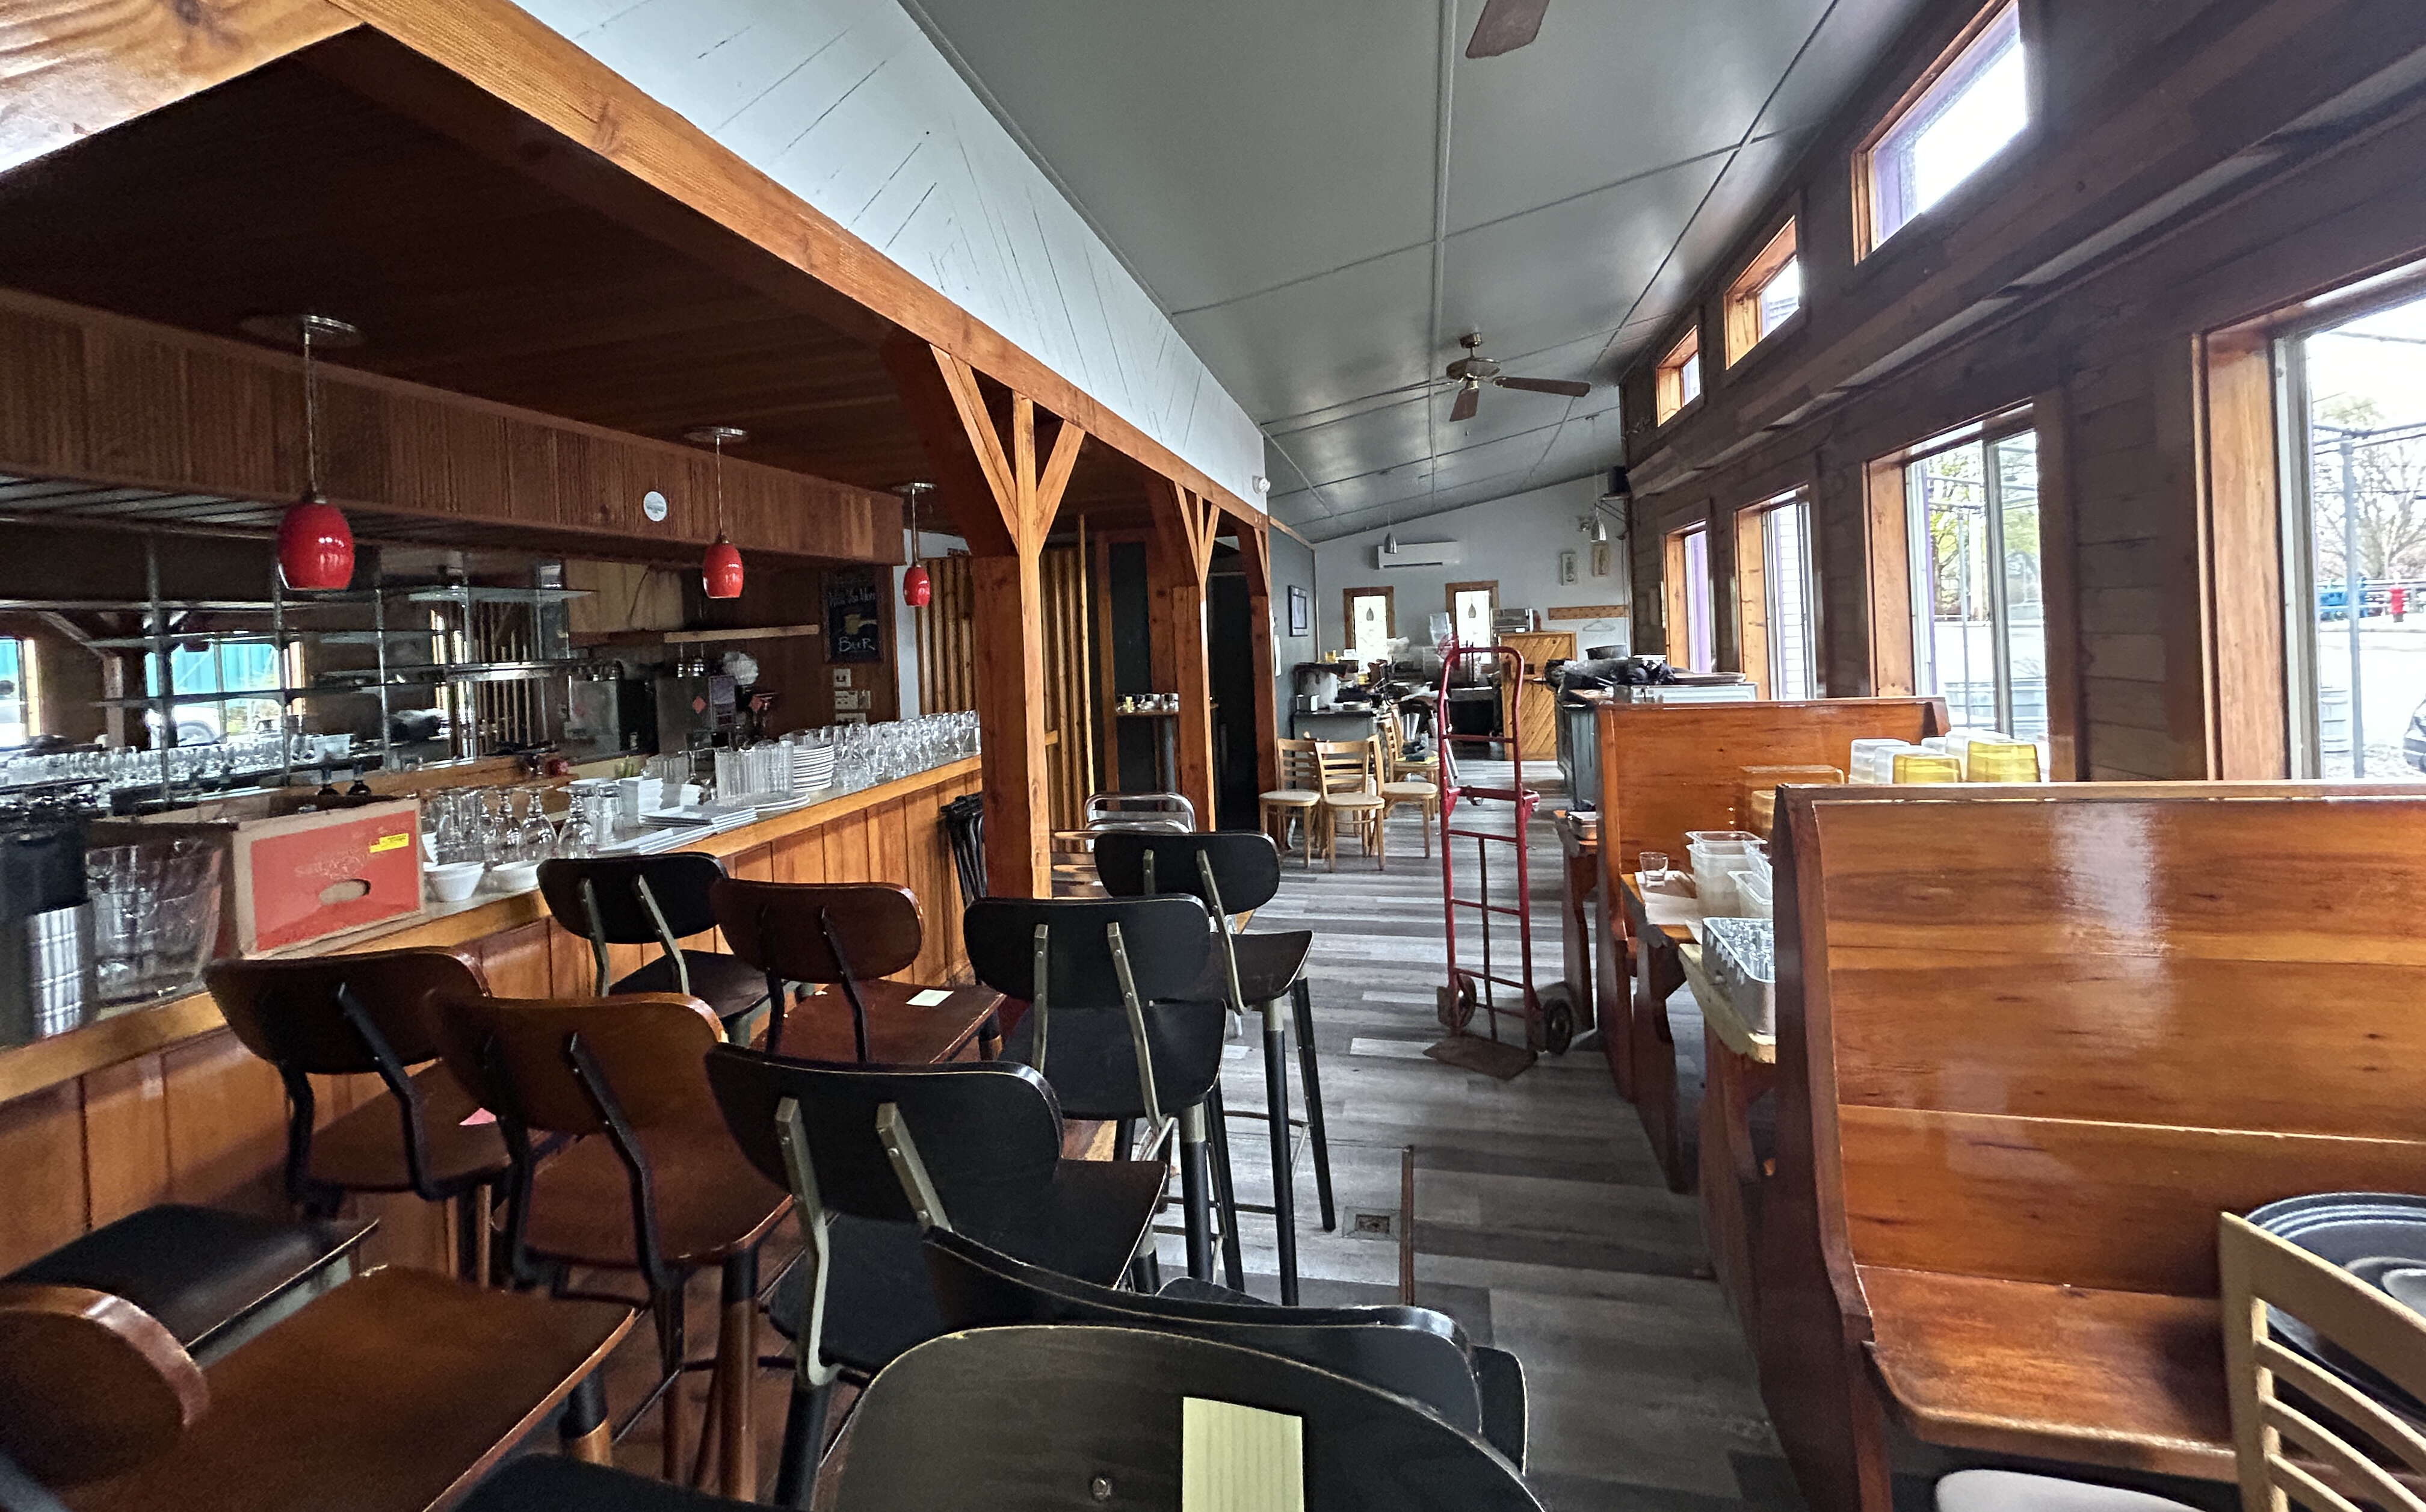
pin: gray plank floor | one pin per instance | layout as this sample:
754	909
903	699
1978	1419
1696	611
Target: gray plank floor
1541	1221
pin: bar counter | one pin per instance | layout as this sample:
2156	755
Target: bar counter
157	1102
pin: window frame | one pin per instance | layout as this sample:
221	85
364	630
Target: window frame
1348	598
1450	590
1953	68
1668	399
1743	298
1986	435
22	698
1757	607
1678	586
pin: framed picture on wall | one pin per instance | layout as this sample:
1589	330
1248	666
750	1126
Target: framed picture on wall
1301	611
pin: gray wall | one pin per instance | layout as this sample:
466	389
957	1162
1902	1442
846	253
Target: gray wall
1292	567
1515	541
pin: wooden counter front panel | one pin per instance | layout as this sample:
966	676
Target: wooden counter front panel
203	1121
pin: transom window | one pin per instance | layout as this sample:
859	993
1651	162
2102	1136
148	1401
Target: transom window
1678	381
1975	102
1765	295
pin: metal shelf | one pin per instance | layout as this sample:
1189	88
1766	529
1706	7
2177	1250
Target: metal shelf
478	593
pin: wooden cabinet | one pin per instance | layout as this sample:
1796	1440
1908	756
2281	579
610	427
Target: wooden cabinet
1539	710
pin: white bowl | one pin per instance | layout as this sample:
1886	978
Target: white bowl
454	881
518	877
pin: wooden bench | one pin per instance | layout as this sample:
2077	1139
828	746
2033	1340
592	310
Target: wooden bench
1666	769
2031	1040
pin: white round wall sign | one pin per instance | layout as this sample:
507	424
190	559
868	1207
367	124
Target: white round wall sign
653	504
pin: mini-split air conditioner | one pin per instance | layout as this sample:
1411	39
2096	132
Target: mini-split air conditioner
1420	553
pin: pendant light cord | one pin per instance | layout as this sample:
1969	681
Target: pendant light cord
720	488
311	418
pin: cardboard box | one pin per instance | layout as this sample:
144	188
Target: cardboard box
304	877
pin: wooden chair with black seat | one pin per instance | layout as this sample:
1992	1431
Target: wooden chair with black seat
876	1155
651	900
371	1014
1414	1352
1296	800
1232	873
1350	793
981	1420
1110	1022
392	1393
853	936
654	1185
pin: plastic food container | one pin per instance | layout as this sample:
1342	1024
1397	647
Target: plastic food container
1753	895
1715	855
1926	766
1989	761
1870	761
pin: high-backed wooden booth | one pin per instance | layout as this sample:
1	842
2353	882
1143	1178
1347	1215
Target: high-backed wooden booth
2031	1041
1666	769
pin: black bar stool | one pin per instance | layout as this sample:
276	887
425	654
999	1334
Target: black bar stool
651	900
1116	1021
1414	1352
663	1193
962	1423
1230	874
850	935
373	1013
873	1156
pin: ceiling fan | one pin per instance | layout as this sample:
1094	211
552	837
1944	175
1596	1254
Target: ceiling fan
1471	373
1505	27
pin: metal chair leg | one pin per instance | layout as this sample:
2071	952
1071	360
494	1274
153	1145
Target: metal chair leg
1225	1192
1301	1000
736	1367
804	1433
1277	1120
583	1431
669	1309
1194	1196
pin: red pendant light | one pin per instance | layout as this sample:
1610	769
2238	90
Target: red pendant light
315	546
916	588
719	570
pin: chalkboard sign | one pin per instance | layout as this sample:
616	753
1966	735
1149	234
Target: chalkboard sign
854	616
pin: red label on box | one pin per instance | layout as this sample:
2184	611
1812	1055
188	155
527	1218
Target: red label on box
333	877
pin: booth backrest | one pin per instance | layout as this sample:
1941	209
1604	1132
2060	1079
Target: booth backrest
1668	768
2045	1033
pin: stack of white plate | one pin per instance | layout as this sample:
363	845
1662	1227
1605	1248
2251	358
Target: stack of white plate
813	767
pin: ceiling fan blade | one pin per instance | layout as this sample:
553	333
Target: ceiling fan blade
1469	398
1566	386
1505	27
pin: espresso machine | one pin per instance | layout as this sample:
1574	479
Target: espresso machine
695	707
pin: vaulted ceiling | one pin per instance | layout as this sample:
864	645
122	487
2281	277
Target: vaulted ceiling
1324	197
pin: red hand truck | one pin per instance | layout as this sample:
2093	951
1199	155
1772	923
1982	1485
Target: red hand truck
1549	1021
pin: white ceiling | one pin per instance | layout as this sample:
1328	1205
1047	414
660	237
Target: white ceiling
1271	170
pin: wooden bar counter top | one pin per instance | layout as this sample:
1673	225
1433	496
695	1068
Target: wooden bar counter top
157	1102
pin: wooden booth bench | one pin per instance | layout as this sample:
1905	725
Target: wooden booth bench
2031	1040
1667	769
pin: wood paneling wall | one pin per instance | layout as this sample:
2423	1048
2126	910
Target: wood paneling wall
948	667
202	1121
86	394
2046	280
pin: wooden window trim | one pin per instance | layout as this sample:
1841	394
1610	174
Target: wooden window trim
1752	598
1450	590
1668	379
1742	304
1348	598
1866	237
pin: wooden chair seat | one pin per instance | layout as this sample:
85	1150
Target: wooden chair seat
1406	792
730	986
1293	797
900	1032
711	1202
1269	965
364	1151
1352	801
2129	1380
391	1393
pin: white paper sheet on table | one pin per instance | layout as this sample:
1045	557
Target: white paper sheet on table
930	997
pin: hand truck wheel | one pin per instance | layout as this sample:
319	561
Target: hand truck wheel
1558	1022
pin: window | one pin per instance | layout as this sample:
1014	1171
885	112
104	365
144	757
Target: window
1678	380
1764	295
1471	608
1979	604
2354	550
1689	642
1774	602
1371	624
1959	115
16	703
215	668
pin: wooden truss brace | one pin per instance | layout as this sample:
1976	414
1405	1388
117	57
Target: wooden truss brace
1199	520
1029	500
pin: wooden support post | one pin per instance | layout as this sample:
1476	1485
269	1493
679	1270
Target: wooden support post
1177	561
1255	546
1003	507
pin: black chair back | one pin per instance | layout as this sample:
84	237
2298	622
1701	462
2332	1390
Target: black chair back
1138	862
308	1016
976	1420
678	884
988	1134
1414	1352
1168	940
867	929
